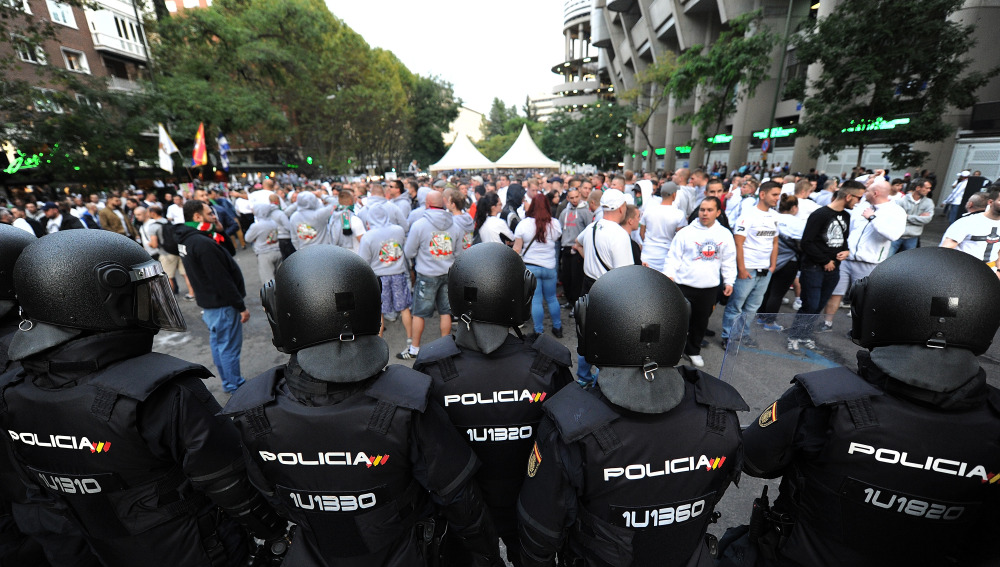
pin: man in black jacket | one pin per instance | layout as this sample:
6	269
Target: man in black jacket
218	286
56	220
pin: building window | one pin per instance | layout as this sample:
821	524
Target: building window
75	61
21	5
191	4
61	13
46	102
171	6
27	53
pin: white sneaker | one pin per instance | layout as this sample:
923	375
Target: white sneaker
696	360
785	301
808	343
793	345
797	304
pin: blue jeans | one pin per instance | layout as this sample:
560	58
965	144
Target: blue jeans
953	212
225	336
546	279
817	287
903	244
747	296
586	373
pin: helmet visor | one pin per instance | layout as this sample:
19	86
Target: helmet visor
155	305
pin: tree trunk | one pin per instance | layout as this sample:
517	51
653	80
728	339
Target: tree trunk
861	150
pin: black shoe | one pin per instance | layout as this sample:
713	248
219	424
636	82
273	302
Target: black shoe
749	342
557	333
709	333
725	344
704	343
530	337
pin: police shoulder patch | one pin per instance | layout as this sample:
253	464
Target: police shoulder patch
534	460
769	416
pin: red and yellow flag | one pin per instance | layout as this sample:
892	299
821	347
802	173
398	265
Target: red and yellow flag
200	155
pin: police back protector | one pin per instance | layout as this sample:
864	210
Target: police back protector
341	472
651	481
896	481
81	444
495	402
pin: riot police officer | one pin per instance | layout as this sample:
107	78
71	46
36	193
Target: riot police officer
344	446
128	440
30	533
632	469
894	465
492	383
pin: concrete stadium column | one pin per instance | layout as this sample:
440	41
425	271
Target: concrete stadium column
669	135
569	46
803	144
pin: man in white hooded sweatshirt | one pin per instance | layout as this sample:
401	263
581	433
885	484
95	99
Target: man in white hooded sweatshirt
311	222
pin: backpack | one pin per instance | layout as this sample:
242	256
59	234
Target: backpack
169	243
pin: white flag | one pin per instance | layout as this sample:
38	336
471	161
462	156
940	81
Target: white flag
167	147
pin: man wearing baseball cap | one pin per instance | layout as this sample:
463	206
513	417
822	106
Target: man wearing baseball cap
604	244
57	221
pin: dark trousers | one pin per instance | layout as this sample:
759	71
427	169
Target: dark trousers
702	301
588	282
286	247
780	281
571	274
817	287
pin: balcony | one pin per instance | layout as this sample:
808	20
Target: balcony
125	85
580	86
640	37
119	46
620	5
659	12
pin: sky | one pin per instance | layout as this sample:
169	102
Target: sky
486	49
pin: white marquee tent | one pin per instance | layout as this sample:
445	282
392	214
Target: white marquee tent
462	155
524	154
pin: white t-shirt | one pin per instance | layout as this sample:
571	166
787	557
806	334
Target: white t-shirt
175	214
244	206
760	229
661	224
612	243
493	228
806	208
542	254
976	235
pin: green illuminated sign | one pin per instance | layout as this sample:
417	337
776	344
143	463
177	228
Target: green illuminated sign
877	124
779	132
660	151
645	153
683	149
309	160
22	161
720	139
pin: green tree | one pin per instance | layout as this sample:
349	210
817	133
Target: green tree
916	71
494	122
722	75
652	87
593	135
434	109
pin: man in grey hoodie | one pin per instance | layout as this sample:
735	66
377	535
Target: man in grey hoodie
279	218
263	234
433	242
399	197
382	248
394	214
310	222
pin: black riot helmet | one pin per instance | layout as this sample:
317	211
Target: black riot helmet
12	242
614	329
321	294
936	297
94	280
489	283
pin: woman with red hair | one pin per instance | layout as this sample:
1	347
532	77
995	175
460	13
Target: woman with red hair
536	239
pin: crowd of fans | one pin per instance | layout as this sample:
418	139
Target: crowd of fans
738	238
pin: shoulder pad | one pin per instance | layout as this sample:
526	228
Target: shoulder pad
577	412
710	391
553	349
402	387
444	347
155	369
835	385
255	392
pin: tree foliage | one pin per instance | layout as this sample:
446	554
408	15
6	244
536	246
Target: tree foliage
873	67
724	74
434	109
501	128
593	135
652	87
